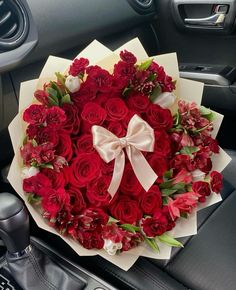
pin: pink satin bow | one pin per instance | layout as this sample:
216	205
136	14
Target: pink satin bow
139	137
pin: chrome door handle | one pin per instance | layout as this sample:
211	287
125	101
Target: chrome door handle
212	20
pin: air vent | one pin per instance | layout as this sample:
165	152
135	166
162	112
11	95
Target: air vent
144	3
143	6
14	24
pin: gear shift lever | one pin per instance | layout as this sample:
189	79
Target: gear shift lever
14	223
30	267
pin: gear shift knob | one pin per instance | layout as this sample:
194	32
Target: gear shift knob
14	223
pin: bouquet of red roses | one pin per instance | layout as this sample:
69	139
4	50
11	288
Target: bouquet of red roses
112	158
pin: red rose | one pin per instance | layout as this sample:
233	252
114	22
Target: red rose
86	93
64	146
55	117
162	143
151	201
47	135
159	118
38	184
116	109
128	117
78	66
72	124
35	114
116	128
97	193
128	57
129	183
126	210
84	168
84	144
54	201
41	96
93	114
138	102
202	188
216	181
77	201
156	225
107	168
57	179
159	164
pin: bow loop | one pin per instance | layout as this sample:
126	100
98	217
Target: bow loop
140	137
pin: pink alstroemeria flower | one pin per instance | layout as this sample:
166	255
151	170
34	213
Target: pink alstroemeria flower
184	203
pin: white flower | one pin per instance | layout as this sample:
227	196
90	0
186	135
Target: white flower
198	175
110	247
72	83
165	100
28	172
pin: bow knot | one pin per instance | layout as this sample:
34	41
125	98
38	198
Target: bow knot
139	137
123	142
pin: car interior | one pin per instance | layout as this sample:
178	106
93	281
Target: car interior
203	34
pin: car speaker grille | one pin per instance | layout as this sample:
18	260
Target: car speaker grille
14	24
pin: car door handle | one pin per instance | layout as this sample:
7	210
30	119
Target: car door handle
212	20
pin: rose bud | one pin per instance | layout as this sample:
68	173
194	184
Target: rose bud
72	83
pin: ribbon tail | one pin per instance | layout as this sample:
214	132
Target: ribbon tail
141	167
117	174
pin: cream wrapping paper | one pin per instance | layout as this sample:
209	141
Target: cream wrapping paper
101	55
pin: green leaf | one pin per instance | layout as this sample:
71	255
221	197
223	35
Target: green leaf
32	198
34	143
168	174
126	91
207	113
184	215
189	150
167	191
151	77
130	228
52	101
155	94
57	89
52	92
66	99
170	241
25	140
48	165
60	78
112	220
164	200
152	244
145	65
166	184
179	186
177	119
